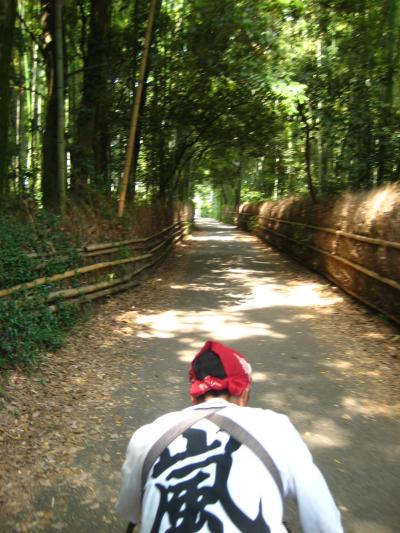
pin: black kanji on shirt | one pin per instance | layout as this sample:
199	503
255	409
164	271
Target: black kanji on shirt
186	503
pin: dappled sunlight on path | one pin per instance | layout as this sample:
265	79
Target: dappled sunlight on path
211	325
292	327
316	356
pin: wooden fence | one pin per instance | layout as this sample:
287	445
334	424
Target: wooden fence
150	250
381	293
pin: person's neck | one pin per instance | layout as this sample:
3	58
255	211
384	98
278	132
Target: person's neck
240	400
210	397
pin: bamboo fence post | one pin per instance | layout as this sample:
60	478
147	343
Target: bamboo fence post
77	291
70	274
175	230
94	296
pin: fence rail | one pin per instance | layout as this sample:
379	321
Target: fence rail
388	282
155	247
341	233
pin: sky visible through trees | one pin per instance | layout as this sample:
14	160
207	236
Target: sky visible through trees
256	99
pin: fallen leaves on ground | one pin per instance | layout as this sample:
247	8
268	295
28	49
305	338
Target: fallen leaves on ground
52	414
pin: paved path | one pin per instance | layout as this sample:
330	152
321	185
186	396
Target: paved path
315	356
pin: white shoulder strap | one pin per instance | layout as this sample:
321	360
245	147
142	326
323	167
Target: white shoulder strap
227	424
169	436
241	434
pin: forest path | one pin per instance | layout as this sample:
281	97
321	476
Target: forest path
316	356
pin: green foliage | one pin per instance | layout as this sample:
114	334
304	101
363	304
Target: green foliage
124	252
249	223
29	251
204	201
251	195
252	224
26	322
245	101
27	325
234	90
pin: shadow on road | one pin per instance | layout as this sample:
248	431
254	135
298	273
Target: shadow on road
315	357
231	289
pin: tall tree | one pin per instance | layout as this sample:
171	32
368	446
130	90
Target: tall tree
7	18
90	156
224	86
60	88
53	180
390	27
137	105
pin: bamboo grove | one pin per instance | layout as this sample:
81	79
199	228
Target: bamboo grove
259	99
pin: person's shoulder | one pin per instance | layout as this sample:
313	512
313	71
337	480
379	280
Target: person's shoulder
149	433
275	430
259	420
260	414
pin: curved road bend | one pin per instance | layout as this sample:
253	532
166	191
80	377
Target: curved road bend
315	357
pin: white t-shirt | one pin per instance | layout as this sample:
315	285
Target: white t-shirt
206	481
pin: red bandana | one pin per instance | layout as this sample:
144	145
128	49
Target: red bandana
237	370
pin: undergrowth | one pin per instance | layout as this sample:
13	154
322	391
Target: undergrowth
35	244
27	252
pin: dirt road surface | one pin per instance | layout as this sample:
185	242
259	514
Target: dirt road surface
316	355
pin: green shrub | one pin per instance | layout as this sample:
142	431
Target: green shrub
44	238
249	223
26	322
26	325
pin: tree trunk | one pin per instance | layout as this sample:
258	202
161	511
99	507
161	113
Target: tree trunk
22	133
53	180
90	155
136	107
307	151
25	118
390	30
238	181
36	137
307	155
135	39
7	19
61	182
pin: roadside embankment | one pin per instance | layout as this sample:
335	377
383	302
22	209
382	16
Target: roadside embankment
354	240
50	266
